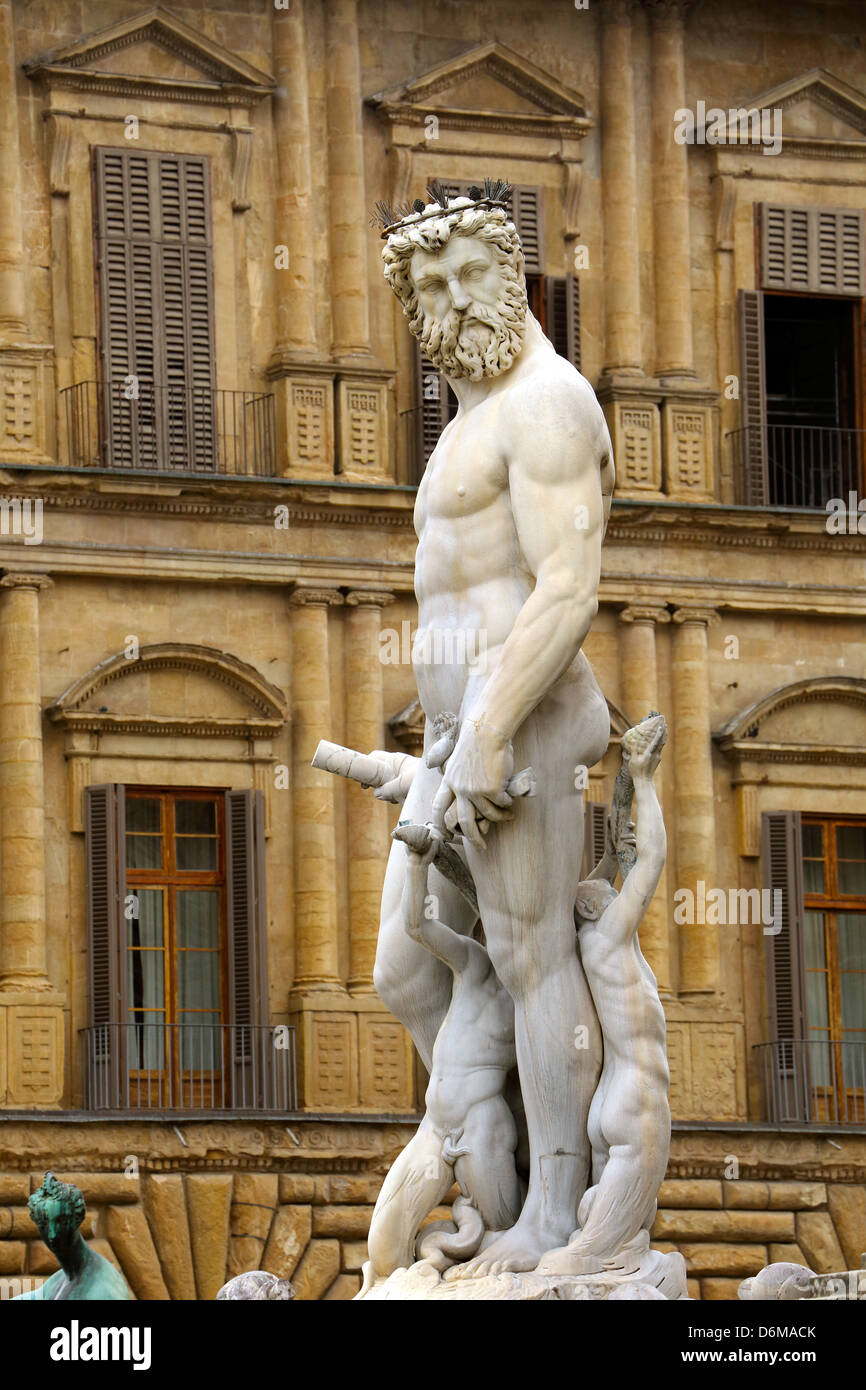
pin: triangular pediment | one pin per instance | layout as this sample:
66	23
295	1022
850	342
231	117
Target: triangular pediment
818	110
488	84
157	49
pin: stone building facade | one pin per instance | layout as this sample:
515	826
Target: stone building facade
213	422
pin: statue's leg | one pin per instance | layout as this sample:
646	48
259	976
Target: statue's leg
526	881
416	1183
412	982
487	1172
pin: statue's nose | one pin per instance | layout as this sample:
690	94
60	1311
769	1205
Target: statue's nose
459	298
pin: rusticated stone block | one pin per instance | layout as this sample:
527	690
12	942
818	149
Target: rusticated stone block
299	1187
746	1196
12	1254
797	1196
817	1239
344	1287
109	1189
130	1238
14	1190
847	1205
787	1254
693	1287
165	1205
724	1260
355	1254
723	1225
40	1259
253	1203
317	1270
719	1290
208	1201
289	1237
691	1192
103	1248
349	1223
350	1187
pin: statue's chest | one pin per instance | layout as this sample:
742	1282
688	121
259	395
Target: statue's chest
466	474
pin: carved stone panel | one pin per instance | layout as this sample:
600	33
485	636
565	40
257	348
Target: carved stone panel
384	1053
362	414
35	1055
333	1070
688	451
25	390
706	1066
637	447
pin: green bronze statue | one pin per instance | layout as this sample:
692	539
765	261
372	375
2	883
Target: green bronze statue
57	1210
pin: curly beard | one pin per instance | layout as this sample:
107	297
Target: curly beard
477	341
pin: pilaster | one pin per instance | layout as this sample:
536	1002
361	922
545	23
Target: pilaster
695	810
639	671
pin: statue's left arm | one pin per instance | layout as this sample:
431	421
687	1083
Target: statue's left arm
556	450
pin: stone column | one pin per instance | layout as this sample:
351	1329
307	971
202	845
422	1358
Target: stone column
12	300
639	671
672	259
23	961
349	215
622	351
695	811
315	859
367	818
296	307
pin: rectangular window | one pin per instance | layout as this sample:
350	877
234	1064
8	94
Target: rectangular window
178	954
802	438
154	264
176	946
817	983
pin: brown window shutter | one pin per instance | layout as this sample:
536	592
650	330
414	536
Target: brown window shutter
105	859
784	1071
526	215
156	308
782	862
247	921
594	835
812	250
753	484
433	408
563	315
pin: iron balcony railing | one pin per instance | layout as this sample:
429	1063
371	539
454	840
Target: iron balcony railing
813	1081
796	465
134	425
189	1067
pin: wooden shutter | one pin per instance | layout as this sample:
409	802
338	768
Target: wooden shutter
784	1077
250	1051
433	412
562	294
594	835
782	862
753	482
526	215
156	311
812	250
105	859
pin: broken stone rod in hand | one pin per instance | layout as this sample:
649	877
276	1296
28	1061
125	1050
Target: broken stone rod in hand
346	762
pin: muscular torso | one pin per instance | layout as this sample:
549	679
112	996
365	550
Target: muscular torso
474	1050
471	577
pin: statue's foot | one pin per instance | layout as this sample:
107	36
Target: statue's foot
517	1250
568	1260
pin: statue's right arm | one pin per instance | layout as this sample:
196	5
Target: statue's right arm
448	945
624	915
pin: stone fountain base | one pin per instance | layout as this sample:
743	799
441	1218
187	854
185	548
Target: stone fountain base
654	1276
